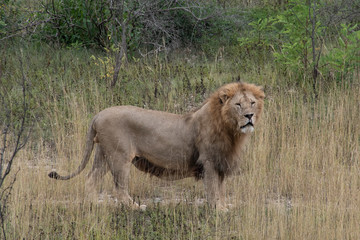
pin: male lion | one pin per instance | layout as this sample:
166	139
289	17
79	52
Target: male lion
204	144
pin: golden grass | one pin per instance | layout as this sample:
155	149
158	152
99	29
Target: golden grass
300	179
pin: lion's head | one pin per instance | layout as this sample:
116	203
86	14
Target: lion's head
238	106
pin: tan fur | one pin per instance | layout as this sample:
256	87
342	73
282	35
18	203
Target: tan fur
204	144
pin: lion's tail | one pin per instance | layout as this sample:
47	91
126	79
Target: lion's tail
88	149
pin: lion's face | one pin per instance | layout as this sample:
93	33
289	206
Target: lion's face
242	108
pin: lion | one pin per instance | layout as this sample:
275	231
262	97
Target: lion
204	144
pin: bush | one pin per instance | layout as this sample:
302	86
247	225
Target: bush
344	57
148	24
294	36
76	23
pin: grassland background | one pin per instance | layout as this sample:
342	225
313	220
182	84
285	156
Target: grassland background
299	173
299	176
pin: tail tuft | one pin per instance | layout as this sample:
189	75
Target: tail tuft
54	175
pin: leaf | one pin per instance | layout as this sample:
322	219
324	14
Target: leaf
341	42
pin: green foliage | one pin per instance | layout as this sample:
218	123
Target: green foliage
149	25
259	33
259	39
294	28
2	27
219	31
288	35
256	36
345	57
9	15
75	22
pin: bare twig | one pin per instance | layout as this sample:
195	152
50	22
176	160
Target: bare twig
5	131
188	10
4	197
21	30
313	44
19	142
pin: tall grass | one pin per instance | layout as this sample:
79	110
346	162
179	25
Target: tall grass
299	177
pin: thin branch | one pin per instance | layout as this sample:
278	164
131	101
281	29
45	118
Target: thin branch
5	134
5	194
18	144
313	44
20	30
187	9
8	189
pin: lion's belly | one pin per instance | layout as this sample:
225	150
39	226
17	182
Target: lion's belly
165	140
170	157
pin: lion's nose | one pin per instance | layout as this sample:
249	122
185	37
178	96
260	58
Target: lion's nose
249	116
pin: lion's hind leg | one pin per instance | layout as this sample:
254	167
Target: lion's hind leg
99	169
119	164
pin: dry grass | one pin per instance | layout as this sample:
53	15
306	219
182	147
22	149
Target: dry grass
299	173
299	180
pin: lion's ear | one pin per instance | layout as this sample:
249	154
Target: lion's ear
223	96
260	93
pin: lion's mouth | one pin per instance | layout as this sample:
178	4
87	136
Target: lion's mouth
247	128
249	124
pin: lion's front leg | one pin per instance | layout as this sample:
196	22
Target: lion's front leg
214	186
222	193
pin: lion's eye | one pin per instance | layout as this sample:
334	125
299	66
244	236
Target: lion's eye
238	104
252	104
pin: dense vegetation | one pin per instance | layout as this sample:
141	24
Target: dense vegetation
299	178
